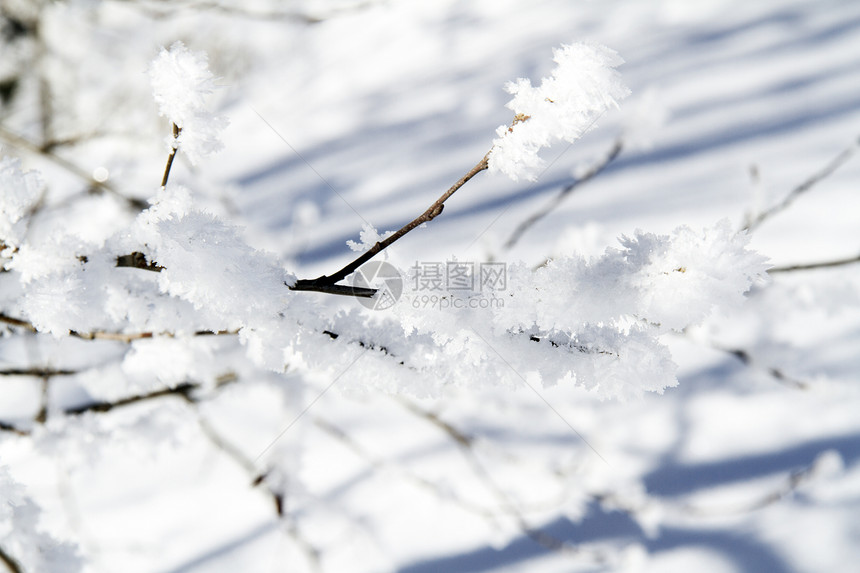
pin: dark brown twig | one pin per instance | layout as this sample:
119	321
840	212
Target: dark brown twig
325	282
6	427
107	335
170	7
17	322
27	145
176	131
10	562
345	290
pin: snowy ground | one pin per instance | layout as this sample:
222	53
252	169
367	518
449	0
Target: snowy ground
748	464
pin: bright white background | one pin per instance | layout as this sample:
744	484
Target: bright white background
369	115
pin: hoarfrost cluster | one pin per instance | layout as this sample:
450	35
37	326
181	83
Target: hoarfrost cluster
567	104
181	84
194	299
594	322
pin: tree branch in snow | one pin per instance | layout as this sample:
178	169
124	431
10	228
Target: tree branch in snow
466	445
553	204
10	562
138	260
22	143
110	335
7	427
171	155
17	322
160	10
38	372
583	85
182	390
827	462
325	282
811	182
776	373
814	266
312	554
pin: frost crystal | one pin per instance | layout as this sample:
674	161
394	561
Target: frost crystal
368	236
181	82
583	85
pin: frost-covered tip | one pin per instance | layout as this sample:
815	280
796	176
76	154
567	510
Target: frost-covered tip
582	86
181	82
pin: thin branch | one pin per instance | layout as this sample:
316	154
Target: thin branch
813	266
595	170
182	390
7	427
138	260
816	178
312	554
778	374
42	414
466	446
107	335
10	562
154	10
380	464
17	322
345	290
793	482
23	143
322	283
176	131
37	372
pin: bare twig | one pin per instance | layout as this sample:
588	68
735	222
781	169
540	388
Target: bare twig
17	322
312	554
37	372
176	131
793	482
105	335
595	170
466	446
10	562
6	427
323	283
816	178
165	8
345	290
778	374
138	260
27	145
379	464
813	266
182	390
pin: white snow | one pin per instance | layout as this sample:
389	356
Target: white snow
636	390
